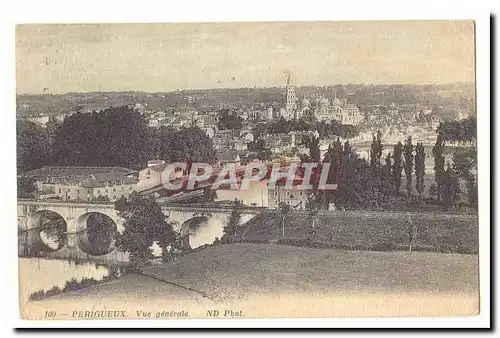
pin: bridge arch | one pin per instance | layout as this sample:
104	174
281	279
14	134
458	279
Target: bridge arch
202	229
48	231
95	233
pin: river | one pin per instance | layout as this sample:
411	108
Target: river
43	274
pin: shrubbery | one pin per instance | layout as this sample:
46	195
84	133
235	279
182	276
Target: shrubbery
70	285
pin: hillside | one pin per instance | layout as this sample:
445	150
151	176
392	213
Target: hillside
201	99
365	230
245	270
265	280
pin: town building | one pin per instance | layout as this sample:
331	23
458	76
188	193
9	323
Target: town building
322	110
41	120
223	140
152	175
350	114
84	183
292	196
91	189
228	157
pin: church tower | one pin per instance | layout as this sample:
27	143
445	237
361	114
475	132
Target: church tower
291	99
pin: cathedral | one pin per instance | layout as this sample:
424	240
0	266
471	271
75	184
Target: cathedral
320	110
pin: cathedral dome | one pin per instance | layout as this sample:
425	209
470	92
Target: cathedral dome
324	101
305	103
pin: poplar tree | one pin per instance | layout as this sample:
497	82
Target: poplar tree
388	164
419	169
376	152
397	167
437	152
408	165
450	187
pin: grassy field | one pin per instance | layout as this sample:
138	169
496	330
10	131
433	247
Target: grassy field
245	269
364	230
265	280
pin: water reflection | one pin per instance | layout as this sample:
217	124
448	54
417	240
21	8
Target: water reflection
43	274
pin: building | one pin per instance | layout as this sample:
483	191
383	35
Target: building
152	163
152	176
351	115
92	189
228	157
40	120
292	196
269	113
210	131
223	140
84	183
322	110
304	111
291	99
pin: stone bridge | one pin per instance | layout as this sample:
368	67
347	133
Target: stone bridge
73	238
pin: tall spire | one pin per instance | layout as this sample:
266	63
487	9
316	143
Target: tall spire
288	80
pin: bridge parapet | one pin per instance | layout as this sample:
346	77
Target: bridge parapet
76	214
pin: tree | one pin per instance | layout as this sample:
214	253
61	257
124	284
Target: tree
450	189
333	156
464	161
347	149
233	223
314	151
355	183
388	164
313	205
433	190
376	152
115	136
260	149
419	169
437	152
381	180
408	165
324	129
283	209
386	181
335	128
25	187
144	225
397	167
259	130
33	146
187	145
464	131
229	120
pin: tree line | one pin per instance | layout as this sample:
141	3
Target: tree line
376	183
325	130
116	136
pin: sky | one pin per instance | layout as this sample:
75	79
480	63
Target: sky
166	57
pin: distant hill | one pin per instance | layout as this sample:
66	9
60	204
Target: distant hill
205	99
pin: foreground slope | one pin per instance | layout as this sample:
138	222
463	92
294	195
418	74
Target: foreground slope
243	269
265	280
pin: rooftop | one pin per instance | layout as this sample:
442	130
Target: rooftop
80	173
228	156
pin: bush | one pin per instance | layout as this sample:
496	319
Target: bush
305	242
70	285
